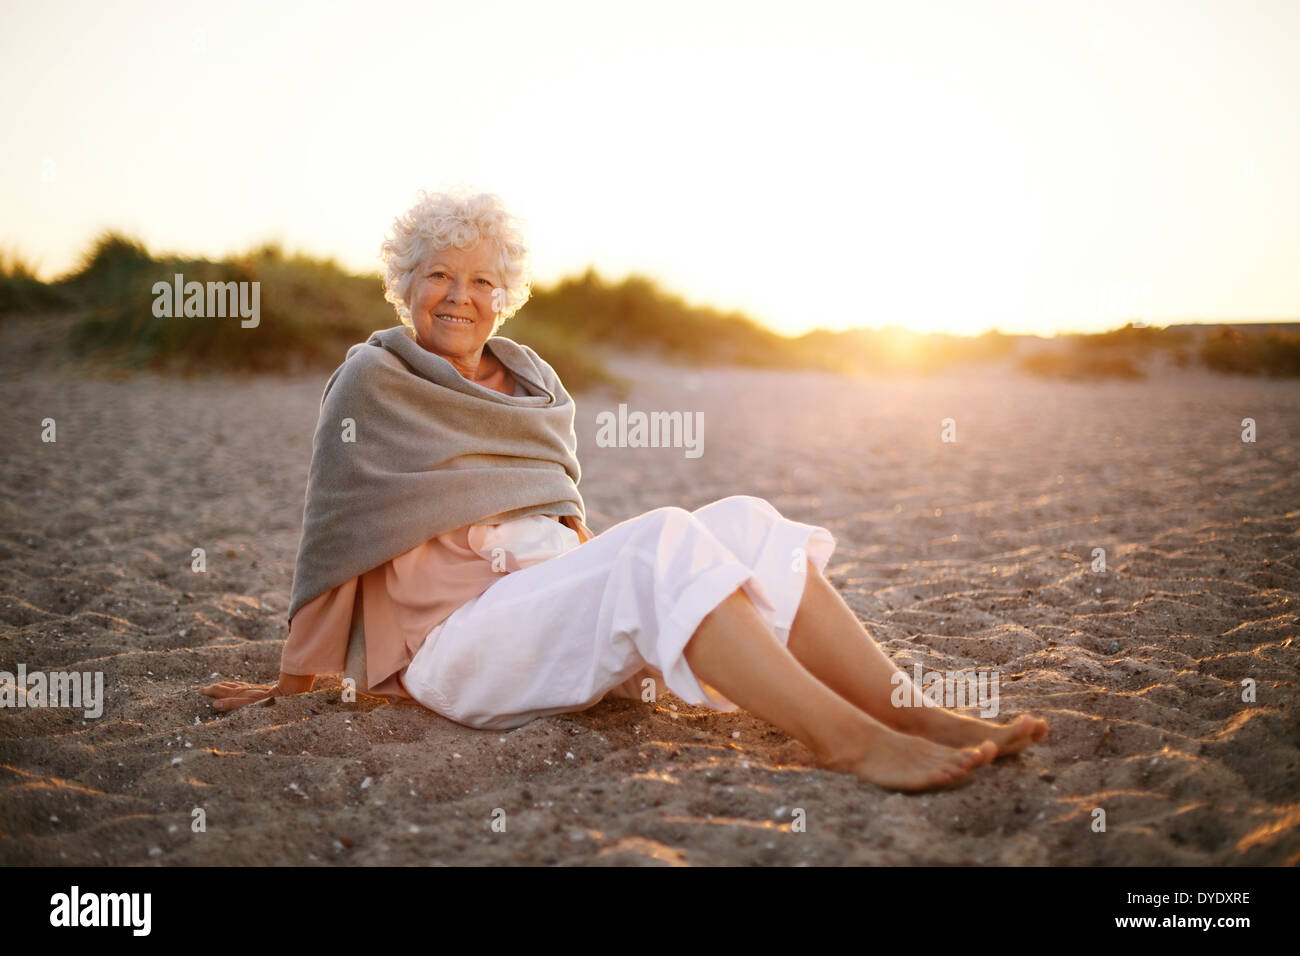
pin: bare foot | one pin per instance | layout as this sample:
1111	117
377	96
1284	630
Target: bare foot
958	730
898	761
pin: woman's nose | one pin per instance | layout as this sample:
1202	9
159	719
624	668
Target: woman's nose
458	291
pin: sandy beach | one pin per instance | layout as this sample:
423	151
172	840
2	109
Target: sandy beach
974	553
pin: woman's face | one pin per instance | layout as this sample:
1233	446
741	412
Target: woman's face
452	303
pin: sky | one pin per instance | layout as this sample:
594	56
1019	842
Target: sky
1032	167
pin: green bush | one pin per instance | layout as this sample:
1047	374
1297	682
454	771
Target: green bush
1131	339
22	293
636	313
310	312
1274	353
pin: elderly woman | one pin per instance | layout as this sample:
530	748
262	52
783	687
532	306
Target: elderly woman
444	555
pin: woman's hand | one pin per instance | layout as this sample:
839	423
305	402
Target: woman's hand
233	694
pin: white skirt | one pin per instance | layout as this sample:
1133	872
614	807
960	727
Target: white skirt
557	635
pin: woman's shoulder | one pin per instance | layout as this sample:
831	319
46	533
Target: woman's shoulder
360	367
543	370
508	348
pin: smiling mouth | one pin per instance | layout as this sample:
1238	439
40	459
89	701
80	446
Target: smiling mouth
456	320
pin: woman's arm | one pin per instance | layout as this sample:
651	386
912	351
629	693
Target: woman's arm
233	694
318	640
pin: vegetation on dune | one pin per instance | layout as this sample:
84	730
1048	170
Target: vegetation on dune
21	292
636	314
1118	353
1274	353
1132	339
311	310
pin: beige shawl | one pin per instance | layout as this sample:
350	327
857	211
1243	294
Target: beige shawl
406	448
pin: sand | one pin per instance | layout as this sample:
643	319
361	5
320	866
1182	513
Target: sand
976	553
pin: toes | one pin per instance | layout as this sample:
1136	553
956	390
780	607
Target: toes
968	758
958	771
976	756
1021	732
1021	726
939	777
1030	729
1036	727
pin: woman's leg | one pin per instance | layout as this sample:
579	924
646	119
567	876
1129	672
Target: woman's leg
824	634
828	640
661	589
555	637
734	651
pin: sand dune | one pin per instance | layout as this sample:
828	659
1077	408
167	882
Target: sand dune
971	554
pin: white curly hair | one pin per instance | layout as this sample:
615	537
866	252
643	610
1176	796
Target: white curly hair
456	218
